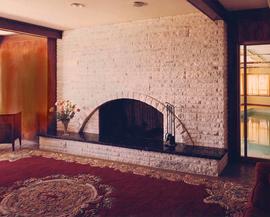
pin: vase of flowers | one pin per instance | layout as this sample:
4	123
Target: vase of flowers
65	111
65	125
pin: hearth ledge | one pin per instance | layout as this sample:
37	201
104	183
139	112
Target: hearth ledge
195	165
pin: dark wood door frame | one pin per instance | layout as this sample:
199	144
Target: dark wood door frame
233	92
52	35
245	102
246	158
252	29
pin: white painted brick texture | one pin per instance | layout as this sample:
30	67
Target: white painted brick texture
179	59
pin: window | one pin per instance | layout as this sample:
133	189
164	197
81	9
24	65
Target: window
263	84
252	85
257	84
242	84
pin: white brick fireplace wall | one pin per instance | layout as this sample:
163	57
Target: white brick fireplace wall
181	60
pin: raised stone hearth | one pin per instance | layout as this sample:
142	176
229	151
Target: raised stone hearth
198	160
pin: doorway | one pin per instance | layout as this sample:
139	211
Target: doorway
255	101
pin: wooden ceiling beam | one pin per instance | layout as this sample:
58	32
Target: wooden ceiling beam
18	26
211	8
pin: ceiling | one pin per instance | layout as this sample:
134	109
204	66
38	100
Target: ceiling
60	15
234	5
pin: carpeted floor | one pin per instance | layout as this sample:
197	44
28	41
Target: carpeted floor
37	183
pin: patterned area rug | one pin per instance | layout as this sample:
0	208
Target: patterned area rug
57	195
91	187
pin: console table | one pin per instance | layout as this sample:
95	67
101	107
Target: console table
10	128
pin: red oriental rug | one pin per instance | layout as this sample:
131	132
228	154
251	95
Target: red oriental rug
43	184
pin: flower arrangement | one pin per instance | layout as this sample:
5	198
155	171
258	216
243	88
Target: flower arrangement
65	111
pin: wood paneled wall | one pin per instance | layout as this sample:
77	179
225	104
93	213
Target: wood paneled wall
24	81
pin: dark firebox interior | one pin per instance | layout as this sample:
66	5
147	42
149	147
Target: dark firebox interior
131	122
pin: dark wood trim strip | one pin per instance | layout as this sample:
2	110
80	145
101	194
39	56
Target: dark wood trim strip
52	94
253	160
254	104
211	8
253	26
233	92
18	26
245	102
257	14
256	95
255	42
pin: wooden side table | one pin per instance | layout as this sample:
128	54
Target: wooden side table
10	128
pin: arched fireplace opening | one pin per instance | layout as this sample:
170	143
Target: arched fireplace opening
130	122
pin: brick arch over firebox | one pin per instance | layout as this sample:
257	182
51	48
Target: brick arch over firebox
182	134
